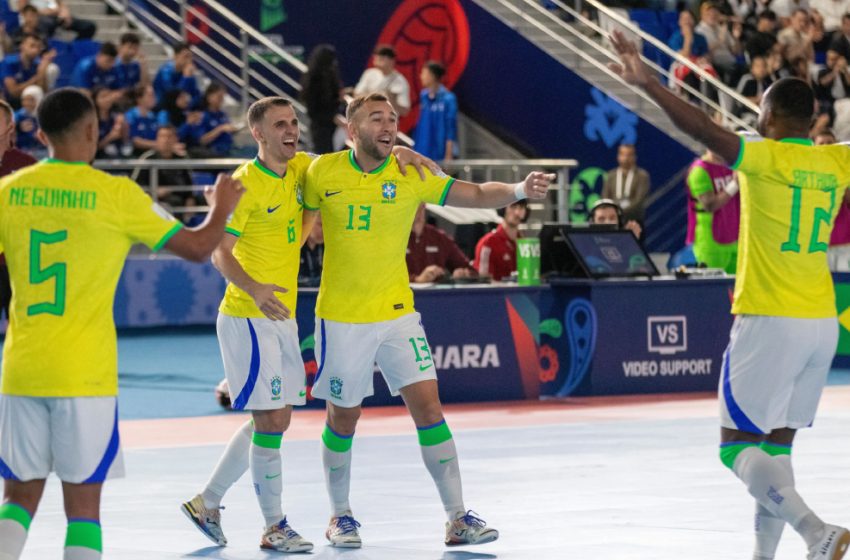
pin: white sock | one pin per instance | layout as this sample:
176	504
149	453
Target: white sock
773	487
80	553
440	456
13	535
266	470
231	466
336	459
768	526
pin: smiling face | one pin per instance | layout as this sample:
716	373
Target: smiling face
374	128
277	133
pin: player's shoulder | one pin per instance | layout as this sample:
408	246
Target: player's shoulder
330	161
302	160
244	169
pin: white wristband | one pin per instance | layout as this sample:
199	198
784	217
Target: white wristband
732	187
519	191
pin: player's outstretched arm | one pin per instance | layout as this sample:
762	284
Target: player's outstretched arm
498	195
197	244
689	119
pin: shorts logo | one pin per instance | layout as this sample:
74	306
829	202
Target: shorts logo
275	388
388	191
336	387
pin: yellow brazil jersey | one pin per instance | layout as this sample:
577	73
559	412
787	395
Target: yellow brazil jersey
66	229
267	222
366	219
790	194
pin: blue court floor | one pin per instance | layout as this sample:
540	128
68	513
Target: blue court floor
583	479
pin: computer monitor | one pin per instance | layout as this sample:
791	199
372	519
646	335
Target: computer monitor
610	254
556	256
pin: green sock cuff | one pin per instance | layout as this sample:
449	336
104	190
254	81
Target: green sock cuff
774	450
14	512
267	440
730	451
434	435
86	534
336	442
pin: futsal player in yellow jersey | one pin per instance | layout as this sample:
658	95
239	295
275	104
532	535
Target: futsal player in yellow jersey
785	331
365	310
65	229
256	327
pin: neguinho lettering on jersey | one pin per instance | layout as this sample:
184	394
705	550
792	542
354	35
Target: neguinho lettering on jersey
46	197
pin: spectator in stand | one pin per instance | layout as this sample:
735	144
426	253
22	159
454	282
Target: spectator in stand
54	14
131	66
98	71
691	45
113	133
384	78
833	83
11	159
432	254
321	89
841	39
29	26
831	11
312	256
763	39
753	84
178	73
785	9
171	182
628	185
26	122
435	136
213	135
141	120
495	254
724	44
796	39
606	211
714	210
27	68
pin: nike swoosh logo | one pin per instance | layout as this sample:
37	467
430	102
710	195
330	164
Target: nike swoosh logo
270	210
272	477
302	394
334	469
444	461
423	368
331	193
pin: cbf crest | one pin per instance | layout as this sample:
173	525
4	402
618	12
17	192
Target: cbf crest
388	191
299	194
336	387
275	388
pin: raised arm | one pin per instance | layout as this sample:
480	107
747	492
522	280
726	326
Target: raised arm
498	195
688	118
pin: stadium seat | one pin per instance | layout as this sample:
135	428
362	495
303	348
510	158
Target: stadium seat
642	16
83	48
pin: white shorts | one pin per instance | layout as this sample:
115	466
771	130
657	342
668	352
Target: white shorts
77	438
262	362
347	352
774	372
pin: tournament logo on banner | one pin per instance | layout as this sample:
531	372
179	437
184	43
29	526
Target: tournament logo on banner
420	31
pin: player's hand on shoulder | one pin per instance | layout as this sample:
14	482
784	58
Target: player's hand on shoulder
266	300
537	184
406	156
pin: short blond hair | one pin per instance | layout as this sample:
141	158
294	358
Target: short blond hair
359	101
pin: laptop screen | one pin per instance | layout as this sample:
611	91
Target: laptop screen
610	254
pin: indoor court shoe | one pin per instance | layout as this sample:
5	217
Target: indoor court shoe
342	532
469	529
208	521
833	545
283	538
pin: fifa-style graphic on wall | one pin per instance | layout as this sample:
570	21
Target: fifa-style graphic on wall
423	30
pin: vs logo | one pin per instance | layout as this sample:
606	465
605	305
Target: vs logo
667	335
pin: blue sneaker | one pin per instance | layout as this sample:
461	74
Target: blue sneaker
342	532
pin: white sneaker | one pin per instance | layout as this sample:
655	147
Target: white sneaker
283	538
342	532
469	529
832	546
208	521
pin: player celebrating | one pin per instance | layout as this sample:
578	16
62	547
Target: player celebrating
365	307
256	325
785	331
65	229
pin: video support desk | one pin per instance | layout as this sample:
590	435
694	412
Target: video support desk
614	337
